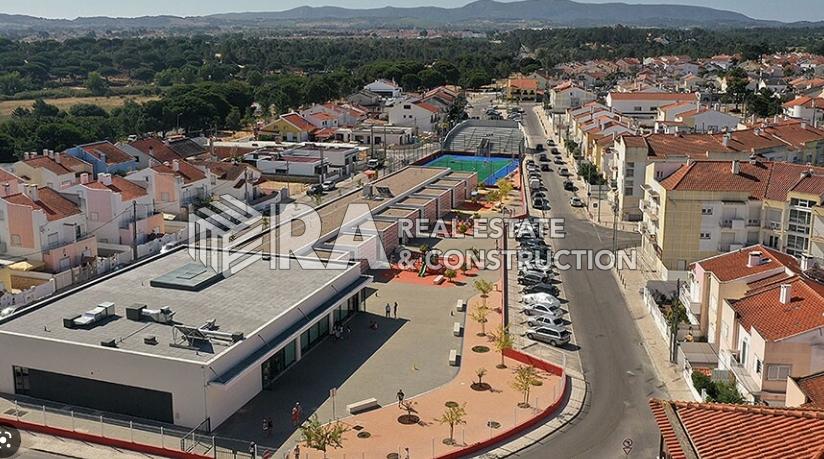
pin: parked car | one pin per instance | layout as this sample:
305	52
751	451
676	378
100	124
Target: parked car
315	189
558	160
373	163
530	278
540	309
545	321
543	159
540	204
540	297
564	172
539	147
328	185
568	185
545	168
575	201
542	287
553	335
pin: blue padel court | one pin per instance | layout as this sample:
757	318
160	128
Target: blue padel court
489	170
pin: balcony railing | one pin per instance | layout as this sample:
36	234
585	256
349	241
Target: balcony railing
775	226
48	247
731	361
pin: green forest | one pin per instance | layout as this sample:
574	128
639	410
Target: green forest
210	82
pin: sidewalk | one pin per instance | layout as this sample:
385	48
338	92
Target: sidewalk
670	374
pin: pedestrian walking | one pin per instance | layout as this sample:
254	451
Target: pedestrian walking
400	397
269	425
297	451
265	427
406	456
296	414
388	310
396	309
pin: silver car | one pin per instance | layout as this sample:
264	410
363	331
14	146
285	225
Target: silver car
541	321
551	334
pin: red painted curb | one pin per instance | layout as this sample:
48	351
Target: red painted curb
537	363
141	448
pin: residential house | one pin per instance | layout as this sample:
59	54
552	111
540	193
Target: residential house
52	169
643	106
387	89
186	147
807	108
174	186
806	391
413	113
366	98
117	210
10	183
291	127
104	157
376	134
668	112
773	333
46	228
704	208
707	120
149	152
692	430
239	180
521	89
791	141
566	96
730	276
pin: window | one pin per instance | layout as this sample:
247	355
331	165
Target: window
94	216
706	211
758	366
15	240
628	191
164	196
778	372
637	108
705	235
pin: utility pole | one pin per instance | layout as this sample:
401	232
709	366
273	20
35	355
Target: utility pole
615	229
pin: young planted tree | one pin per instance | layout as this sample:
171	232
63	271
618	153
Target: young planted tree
450	274
503	342
480	315
322	436
525	378
454	415
483	287
504	188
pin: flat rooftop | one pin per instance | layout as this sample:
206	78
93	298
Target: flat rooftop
332	214
241	303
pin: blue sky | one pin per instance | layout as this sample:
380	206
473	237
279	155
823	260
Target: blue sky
786	10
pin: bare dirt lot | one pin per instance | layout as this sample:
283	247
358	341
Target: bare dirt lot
108	103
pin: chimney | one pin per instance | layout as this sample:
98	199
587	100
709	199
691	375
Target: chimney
30	190
175	165
151	151
803	125
45	152
786	293
104	178
735	167
57	158
726	139
806	262
26	155
753	259
84	178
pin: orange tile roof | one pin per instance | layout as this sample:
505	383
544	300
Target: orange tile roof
733	265
723	431
52	203
813	388
7	177
774	320
113	154
634	141
187	171
674	96
523	83
298	121
691	145
159	150
128	190
805	101
762	180
49	164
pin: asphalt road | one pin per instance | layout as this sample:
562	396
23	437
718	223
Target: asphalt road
620	377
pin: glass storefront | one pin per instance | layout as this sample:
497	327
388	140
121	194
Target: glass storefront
276	364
